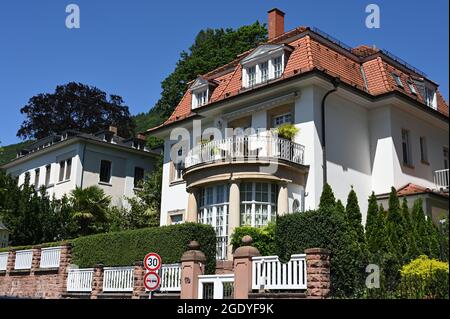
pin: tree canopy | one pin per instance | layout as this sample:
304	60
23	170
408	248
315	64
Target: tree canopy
74	106
212	48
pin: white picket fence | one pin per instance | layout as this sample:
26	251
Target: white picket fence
118	279
50	257
80	280
23	259
269	273
170	277
3	261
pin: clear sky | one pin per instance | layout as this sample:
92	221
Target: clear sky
129	47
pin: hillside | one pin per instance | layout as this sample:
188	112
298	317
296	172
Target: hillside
9	152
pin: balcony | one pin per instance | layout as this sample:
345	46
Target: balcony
246	148
441	179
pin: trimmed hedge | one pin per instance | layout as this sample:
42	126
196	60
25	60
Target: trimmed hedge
324	228
126	247
263	238
52	244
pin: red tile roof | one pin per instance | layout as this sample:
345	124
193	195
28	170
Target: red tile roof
411	189
363	67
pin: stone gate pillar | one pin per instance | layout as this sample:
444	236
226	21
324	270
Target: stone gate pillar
192	266
242	262
318	273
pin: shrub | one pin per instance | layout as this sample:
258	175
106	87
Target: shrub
126	247
424	278
263	238
287	131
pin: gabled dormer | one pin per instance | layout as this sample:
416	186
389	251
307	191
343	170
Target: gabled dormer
265	63
428	91
201	91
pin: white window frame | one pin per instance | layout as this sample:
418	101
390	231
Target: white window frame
270	205
283	119
271	72
200	97
65	170
430	97
412	88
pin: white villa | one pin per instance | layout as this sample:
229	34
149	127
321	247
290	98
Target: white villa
366	119
73	159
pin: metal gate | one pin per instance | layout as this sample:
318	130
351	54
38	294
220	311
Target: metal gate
216	286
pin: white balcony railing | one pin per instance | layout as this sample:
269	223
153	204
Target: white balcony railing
3	261
246	147
441	179
170	277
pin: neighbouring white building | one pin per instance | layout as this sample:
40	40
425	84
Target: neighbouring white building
74	159
366	120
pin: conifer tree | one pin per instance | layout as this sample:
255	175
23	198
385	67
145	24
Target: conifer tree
327	199
354	217
396	227
418	224
375	230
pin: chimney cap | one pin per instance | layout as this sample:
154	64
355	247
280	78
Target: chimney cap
276	9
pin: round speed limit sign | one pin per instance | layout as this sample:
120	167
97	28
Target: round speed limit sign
152	262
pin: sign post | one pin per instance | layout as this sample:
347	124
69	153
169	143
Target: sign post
152	281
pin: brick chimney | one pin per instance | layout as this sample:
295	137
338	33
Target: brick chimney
276	23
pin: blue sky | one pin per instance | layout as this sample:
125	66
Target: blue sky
129	47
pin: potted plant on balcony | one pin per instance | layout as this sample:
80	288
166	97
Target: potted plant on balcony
212	152
287	131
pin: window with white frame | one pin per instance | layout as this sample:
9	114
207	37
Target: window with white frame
264	71
65	170
278	66
423	149
279	120
202	97
251	74
214	211
406	148
258	203
37	174
48	171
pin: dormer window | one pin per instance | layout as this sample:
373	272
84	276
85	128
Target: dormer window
412	88
266	63
201	91
201	98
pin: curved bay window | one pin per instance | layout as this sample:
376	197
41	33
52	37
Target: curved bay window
214	211
258	203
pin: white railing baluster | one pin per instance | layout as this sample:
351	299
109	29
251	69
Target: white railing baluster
441	178
118	279
80	280
170	277
3	261
270	273
50	257
23	259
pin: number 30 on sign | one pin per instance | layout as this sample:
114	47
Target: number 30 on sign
152	262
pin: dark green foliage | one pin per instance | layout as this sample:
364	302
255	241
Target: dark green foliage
212	48
126	247
444	239
396	228
324	228
263	238
375	231
145	207
354	216
74	106
30	215
9	152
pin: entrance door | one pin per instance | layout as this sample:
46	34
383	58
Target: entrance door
216	286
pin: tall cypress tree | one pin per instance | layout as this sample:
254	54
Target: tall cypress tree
396	227
327	199
375	230
433	239
418	224
354	217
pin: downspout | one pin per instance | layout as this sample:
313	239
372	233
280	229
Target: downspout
335	82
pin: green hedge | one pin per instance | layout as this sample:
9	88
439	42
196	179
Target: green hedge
126	247
263	238
322	229
52	244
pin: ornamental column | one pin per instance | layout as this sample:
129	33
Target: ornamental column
192	208
234	213
283	205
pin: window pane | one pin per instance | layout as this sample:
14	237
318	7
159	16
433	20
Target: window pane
277	63
36	178
62	165
47	175
105	171
68	168
138	176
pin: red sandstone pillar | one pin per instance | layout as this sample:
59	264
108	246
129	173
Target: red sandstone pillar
64	262
242	260
97	281
192	266
318	273
139	273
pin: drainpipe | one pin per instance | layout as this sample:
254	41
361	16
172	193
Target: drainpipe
335	82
